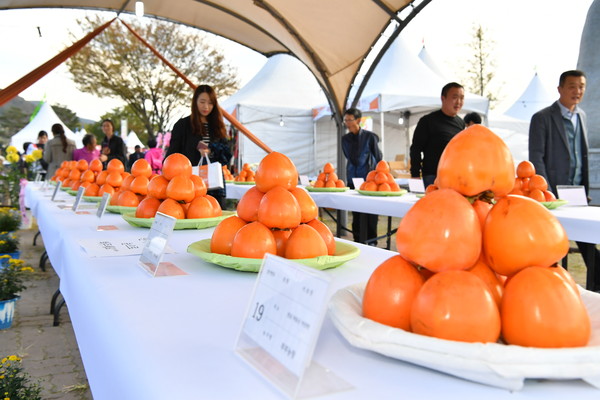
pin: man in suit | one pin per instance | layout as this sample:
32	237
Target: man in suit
558	148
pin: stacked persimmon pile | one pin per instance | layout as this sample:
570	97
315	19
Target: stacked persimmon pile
380	179
227	174
530	184
328	178
481	272
178	193
246	174
275	216
134	187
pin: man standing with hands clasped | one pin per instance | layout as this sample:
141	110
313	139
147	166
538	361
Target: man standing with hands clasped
558	149
434	131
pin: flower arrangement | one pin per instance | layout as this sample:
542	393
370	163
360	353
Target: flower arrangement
12	278
10	219
15	383
9	242
17	169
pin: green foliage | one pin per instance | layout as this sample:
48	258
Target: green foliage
9	242
12	278
10	219
117	64
12	121
68	117
15	383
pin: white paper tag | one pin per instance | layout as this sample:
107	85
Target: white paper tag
304	180
416	185
357	182
286	312
156	243
575	195
103	204
56	189
80	192
112	247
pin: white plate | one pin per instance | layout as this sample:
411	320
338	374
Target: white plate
495	364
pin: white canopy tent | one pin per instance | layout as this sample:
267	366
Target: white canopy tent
431	63
535	97
276	105
401	90
43	121
131	140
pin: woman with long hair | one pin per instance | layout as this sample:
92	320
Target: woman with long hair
203	133
58	149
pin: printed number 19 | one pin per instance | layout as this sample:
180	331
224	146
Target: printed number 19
259	309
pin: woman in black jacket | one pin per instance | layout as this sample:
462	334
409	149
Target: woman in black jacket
203	132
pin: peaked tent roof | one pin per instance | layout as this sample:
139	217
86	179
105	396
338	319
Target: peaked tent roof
282	82
43	121
132	140
534	98
430	62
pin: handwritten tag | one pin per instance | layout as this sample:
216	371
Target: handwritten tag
416	185
112	247
357	182
283	320
156	242
575	195
56	189
80	192
102	205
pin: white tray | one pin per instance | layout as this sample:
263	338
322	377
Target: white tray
495	364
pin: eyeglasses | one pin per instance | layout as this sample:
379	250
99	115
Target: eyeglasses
349	120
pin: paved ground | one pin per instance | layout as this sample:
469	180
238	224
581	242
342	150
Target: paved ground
49	353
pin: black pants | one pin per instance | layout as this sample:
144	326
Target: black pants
371	228
587	250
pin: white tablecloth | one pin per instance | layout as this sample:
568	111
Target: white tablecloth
173	337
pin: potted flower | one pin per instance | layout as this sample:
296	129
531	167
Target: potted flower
9	247
12	279
14	382
10	219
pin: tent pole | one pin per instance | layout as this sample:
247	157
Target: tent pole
382	123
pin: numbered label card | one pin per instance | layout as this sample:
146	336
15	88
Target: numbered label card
156	243
575	195
357	182
304	180
38	177
416	185
56	189
80	192
283	321
102	205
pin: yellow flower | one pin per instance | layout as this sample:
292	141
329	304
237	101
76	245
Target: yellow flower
12	158
37	154
29	158
11	150
4	360
13	358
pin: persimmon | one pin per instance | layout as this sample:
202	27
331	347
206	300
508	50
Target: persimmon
281	236
75	185
538	182
147	208
128	199
308	207
549	196
200	207
440	232
172	208
222	237
390	293
384	187
253	240
247	207
456	305
476	160
537	195
305	242
127	182
489	277
141	167
520	232
525	169
431	188
322	177
87	176
200	188
91	190
382	166
139	184
380	177
176	164
157	187
101	177
115	165
75	174
216	207
106	188
332	176
276	169
114	179
329	184
541	309
369	186
340	183
371	176
82	165
482	208
319	183
279	208
328	168
96	165
181	188
325	233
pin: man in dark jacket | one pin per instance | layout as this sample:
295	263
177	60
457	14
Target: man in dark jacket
361	148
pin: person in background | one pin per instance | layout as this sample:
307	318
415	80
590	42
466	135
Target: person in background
361	149
434	131
203	133
133	157
42	138
112	145
558	147
472	118
89	151
154	156
58	149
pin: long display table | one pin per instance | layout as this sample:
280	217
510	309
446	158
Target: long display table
173	337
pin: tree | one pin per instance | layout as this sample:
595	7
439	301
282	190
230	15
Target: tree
117	115
68	117
12	121
117	64
481	65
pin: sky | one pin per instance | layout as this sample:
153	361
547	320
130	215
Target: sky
530	36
